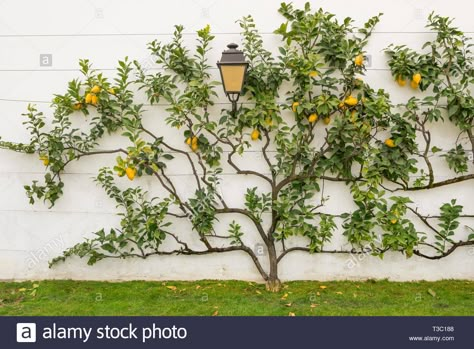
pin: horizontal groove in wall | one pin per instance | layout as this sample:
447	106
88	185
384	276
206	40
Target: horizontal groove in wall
108	213
147	105
98	213
46	70
28	35
94	174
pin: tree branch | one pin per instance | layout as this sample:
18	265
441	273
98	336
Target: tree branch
248	214
445	253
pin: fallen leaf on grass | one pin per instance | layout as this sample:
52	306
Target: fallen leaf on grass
285	296
258	292
318	294
338	292
288	304
314	305
322	287
198	287
22	289
431	292
291	314
172	288
215	313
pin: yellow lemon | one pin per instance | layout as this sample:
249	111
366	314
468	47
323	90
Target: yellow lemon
393	221
313	118
95	89
45	160
188	141
111	91
327	120
402	82
77	106
359	60
89	98
351	101
313	73
389	143
131	172
194	147
194	140
255	134
94	100
294	105
416	78
413	84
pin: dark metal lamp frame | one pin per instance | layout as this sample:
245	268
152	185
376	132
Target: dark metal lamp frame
233	57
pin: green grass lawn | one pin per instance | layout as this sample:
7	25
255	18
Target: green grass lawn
449	297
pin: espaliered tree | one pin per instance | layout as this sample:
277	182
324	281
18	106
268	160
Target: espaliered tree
312	117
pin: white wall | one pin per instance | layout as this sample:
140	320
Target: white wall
105	31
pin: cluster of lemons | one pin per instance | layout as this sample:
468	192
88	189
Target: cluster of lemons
193	142
313	117
349	101
92	97
414	83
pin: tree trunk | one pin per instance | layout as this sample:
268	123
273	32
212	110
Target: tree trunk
273	283
471	138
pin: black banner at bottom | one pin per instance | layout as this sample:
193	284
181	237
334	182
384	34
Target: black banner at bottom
236	332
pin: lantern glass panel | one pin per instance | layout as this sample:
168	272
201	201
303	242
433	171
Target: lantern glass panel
233	77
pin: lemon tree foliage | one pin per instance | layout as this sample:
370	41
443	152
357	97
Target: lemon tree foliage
309	113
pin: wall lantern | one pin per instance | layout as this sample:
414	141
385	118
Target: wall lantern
233	67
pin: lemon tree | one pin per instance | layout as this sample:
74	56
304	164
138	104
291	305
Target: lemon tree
309	113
